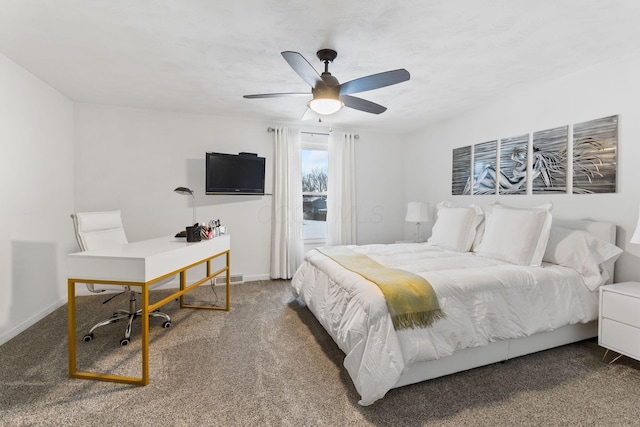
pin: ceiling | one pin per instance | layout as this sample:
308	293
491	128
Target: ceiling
201	56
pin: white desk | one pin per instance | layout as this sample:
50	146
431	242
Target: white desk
142	264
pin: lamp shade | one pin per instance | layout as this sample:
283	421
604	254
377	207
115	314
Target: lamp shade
184	191
417	212
636	234
325	106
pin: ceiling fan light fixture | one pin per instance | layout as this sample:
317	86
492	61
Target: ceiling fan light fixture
329	96
325	106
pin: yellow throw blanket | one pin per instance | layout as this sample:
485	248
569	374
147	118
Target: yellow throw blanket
411	301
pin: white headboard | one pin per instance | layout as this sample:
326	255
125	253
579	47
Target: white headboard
602	230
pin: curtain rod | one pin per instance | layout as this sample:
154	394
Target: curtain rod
270	129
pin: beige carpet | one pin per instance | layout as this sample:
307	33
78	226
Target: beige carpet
269	363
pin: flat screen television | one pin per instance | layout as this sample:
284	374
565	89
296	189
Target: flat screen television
234	174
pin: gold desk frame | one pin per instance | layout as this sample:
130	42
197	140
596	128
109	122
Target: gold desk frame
146	308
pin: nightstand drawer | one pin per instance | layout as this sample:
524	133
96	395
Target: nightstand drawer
620	337
622	308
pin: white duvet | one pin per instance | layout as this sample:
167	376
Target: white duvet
484	300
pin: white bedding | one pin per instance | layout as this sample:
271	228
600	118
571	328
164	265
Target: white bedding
485	300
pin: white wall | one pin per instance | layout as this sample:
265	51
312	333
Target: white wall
36	182
131	160
602	90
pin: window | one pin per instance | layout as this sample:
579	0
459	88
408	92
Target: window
315	173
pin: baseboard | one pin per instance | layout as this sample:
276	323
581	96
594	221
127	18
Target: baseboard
253	278
26	324
241	278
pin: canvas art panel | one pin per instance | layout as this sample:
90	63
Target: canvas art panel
461	171
484	168
549	160
595	156
513	165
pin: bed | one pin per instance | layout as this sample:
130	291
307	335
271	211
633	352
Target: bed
495	308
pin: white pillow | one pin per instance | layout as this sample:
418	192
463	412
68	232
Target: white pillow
455	227
516	235
581	251
488	210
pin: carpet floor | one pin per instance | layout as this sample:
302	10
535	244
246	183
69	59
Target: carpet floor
268	362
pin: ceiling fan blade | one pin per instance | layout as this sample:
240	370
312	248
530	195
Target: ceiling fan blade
276	95
362	104
304	69
374	81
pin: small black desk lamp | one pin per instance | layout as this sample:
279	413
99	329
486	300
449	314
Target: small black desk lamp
187	191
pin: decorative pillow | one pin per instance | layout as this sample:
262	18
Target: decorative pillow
455	227
581	251
516	235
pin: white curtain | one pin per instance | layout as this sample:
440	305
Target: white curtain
286	219
341	194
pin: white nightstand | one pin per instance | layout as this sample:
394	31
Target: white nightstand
619	320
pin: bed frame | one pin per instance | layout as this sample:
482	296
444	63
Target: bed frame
500	351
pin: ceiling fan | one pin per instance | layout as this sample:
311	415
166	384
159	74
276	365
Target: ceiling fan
329	95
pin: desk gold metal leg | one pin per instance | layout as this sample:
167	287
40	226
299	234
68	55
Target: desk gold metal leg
183	286
605	355
71	325
145	334
228	272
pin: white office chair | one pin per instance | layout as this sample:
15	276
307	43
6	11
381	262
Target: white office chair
97	230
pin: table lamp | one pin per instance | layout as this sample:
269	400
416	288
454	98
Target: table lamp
187	191
417	212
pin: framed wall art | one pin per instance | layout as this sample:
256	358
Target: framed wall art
549	160
513	165
484	167
595	156
461	171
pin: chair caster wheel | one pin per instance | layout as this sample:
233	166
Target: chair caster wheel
166	324
124	341
88	337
